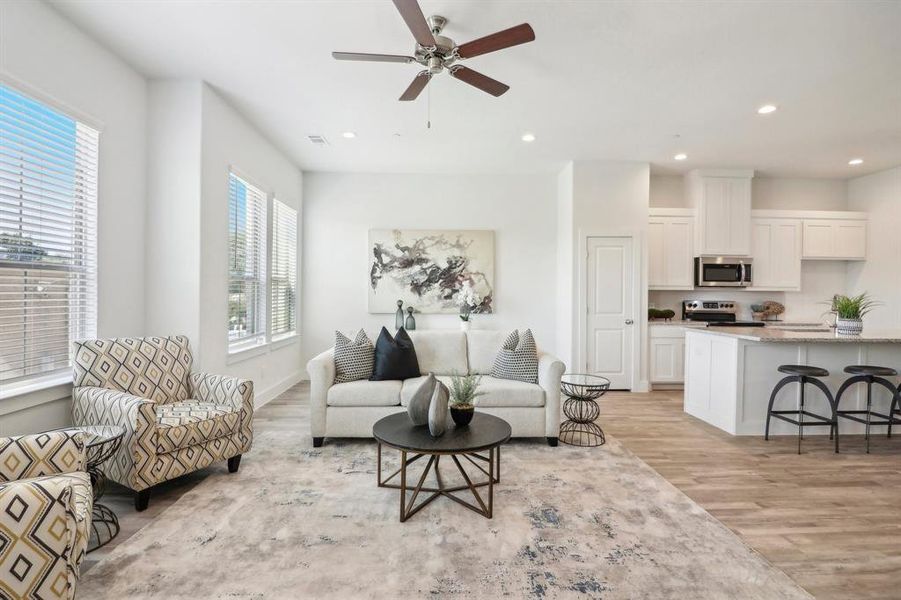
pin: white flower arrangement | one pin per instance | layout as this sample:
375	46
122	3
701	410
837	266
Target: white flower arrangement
469	300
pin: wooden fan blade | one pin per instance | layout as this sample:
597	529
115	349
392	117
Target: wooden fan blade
476	79
392	58
497	41
415	20
415	88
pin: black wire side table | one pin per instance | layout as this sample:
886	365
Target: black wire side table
582	410
101	443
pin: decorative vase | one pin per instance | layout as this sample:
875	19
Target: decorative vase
848	326
411	322
465	326
399	315
438	410
462	414
420	402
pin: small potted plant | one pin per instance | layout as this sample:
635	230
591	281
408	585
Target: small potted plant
463	392
850	311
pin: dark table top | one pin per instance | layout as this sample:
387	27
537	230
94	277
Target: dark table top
484	432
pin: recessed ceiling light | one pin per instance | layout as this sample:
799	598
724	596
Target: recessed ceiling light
349	135
766	109
855	161
680	156
528	137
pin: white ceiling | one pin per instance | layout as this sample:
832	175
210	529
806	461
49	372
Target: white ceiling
603	80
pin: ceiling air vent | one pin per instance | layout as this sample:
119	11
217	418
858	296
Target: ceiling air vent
318	140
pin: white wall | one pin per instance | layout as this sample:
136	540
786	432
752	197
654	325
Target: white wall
880	195
230	141
780	193
173	208
44	55
340	209
611	198
566	248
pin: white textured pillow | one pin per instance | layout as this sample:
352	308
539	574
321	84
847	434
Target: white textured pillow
518	358
353	360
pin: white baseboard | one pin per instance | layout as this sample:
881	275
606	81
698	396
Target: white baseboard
643	386
264	397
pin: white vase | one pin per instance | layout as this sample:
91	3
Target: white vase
848	326
465	326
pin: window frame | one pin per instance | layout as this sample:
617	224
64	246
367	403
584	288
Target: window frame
258	343
38	388
291	333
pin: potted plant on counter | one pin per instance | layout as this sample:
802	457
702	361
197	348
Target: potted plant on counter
850	311
464	390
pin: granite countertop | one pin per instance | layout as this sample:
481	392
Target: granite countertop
676	323
782	335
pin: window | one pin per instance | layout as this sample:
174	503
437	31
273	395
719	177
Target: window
283	280
247	264
48	236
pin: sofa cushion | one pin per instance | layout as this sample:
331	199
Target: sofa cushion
482	347
395	357
189	422
365	393
509	393
441	352
411	385
353	359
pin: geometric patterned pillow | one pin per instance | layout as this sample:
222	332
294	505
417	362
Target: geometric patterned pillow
353	359
517	358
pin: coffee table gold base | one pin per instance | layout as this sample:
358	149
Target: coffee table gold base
408	508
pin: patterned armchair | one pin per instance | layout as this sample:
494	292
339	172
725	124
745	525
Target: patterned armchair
175	421
45	514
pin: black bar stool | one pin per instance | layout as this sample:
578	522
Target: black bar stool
802	374
869	374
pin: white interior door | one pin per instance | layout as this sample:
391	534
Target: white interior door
610	320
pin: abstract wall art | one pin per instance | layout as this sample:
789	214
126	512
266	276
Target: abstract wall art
428	269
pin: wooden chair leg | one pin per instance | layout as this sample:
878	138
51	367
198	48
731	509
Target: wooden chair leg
233	463
317	442
552	442
142	499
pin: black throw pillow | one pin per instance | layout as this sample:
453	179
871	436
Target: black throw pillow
395	358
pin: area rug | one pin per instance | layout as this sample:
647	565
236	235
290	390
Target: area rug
298	522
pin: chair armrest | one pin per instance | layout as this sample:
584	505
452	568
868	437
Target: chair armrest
233	391
132	464
322	377
550	372
34	508
39	455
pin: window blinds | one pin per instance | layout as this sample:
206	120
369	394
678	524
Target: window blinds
247	264
48	236
283	281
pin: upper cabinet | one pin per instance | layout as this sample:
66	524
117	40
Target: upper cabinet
776	250
722	199
670	249
835	239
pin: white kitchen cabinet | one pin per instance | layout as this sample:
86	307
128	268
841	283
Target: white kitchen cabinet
835	239
776	250
723	202
667	354
670	250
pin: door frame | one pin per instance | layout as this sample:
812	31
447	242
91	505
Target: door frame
638	277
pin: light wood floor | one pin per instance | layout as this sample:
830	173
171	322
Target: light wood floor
832	523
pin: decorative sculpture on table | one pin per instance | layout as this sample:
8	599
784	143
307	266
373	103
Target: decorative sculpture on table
399	315
438	410
411	321
418	406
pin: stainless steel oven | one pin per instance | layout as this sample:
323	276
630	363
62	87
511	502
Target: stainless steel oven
723	271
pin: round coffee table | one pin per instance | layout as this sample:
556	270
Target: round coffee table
581	409
101	443
484	433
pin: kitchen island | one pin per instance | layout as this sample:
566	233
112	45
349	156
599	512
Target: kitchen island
731	372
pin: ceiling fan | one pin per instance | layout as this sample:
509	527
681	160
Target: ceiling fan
437	52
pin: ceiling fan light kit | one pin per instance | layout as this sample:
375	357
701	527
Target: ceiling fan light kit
437	52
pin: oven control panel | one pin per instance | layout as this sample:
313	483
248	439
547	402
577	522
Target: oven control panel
719	306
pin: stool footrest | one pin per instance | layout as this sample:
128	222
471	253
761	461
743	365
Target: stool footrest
851	415
782	415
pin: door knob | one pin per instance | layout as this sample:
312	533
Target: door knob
629	321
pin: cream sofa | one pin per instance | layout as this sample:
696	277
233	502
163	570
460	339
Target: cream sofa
351	409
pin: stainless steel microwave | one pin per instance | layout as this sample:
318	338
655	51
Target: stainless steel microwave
723	271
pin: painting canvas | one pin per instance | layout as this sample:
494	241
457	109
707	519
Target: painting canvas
428	269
